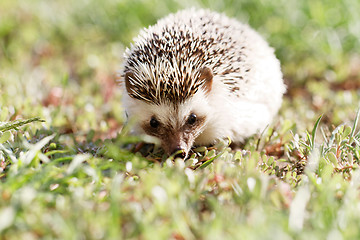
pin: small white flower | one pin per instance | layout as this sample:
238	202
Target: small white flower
251	182
159	193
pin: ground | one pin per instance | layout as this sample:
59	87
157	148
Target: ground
70	170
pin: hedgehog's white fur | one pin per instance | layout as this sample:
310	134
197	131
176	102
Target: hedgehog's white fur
247	85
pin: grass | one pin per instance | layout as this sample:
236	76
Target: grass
69	170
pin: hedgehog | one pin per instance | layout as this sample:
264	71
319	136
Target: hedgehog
198	76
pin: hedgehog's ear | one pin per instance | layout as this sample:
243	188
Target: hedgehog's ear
206	76
128	76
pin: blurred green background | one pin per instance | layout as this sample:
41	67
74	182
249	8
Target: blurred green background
83	40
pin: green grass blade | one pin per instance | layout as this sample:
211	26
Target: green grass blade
313	132
352	134
309	138
18	123
205	164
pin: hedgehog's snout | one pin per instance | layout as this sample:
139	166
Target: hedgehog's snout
178	148
178	145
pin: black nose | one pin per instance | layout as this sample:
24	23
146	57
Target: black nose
179	152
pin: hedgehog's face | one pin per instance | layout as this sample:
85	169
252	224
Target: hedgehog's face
176	124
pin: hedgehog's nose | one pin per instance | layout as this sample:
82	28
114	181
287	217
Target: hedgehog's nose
179	152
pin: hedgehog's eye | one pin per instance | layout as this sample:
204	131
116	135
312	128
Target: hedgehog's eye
191	119
154	123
